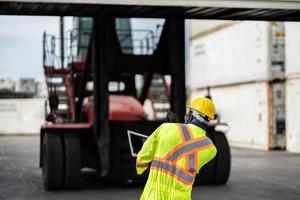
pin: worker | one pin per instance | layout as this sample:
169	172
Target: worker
176	152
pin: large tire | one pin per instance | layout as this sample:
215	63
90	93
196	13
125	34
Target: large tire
222	159
72	161
206	175
52	161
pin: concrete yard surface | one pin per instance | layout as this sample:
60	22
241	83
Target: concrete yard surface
255	175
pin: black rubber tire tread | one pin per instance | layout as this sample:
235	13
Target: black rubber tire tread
223	159
72	161
206	174
52	169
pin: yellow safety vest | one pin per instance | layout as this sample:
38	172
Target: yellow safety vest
176	153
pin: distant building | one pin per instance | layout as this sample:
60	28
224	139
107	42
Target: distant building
7	84
40	90
22	88
26	85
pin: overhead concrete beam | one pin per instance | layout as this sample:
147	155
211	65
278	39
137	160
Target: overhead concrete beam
258	4
269	10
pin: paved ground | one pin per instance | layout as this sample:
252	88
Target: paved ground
255	175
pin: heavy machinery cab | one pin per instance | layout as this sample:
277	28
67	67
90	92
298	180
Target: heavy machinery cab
70	80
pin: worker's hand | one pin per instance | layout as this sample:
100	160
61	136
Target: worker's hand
141	164
141	167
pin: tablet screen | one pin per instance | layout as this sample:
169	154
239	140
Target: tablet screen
136	141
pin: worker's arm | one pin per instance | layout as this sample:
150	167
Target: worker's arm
145	156
205	156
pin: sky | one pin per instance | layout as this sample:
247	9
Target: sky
21	44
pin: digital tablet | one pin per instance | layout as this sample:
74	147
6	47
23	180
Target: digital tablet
134	136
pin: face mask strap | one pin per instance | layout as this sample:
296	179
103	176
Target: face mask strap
198	116
205	118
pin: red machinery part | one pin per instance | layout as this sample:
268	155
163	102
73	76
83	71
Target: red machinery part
77	66
121	108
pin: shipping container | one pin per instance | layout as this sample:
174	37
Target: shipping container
21	116
198	28
292	86
243	52
253	111
243	65
292	31
292	114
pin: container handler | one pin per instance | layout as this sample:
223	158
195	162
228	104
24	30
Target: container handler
94	99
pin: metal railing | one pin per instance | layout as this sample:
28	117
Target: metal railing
145	44
76	44
51	52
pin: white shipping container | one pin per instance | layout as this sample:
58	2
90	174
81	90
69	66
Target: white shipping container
292	86
204	27
21	116
292	115
292	31
250	112
244	52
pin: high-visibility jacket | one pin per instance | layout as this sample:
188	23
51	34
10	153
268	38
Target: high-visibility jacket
175	153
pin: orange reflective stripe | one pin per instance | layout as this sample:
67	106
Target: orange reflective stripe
174	164
174	176
181	132
187	149
191	164
183	144
193	151
182	139
189	130
186	134
186	163
174	171
196	161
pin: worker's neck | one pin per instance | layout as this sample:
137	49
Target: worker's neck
199	124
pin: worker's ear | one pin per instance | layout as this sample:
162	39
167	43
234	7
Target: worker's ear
171	117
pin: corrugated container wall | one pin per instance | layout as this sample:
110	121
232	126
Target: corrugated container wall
243	67
21	116
236	54
292	49
292	86
245	108
200	28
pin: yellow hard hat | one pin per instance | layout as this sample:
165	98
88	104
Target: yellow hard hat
204	106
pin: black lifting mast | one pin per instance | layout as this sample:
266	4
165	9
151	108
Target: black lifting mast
107	59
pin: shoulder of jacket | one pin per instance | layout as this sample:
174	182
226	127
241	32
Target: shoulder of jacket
169	125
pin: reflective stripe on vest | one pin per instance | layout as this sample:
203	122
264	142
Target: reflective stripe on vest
173	170
191	162
184	148
186	134
186	137
188	148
